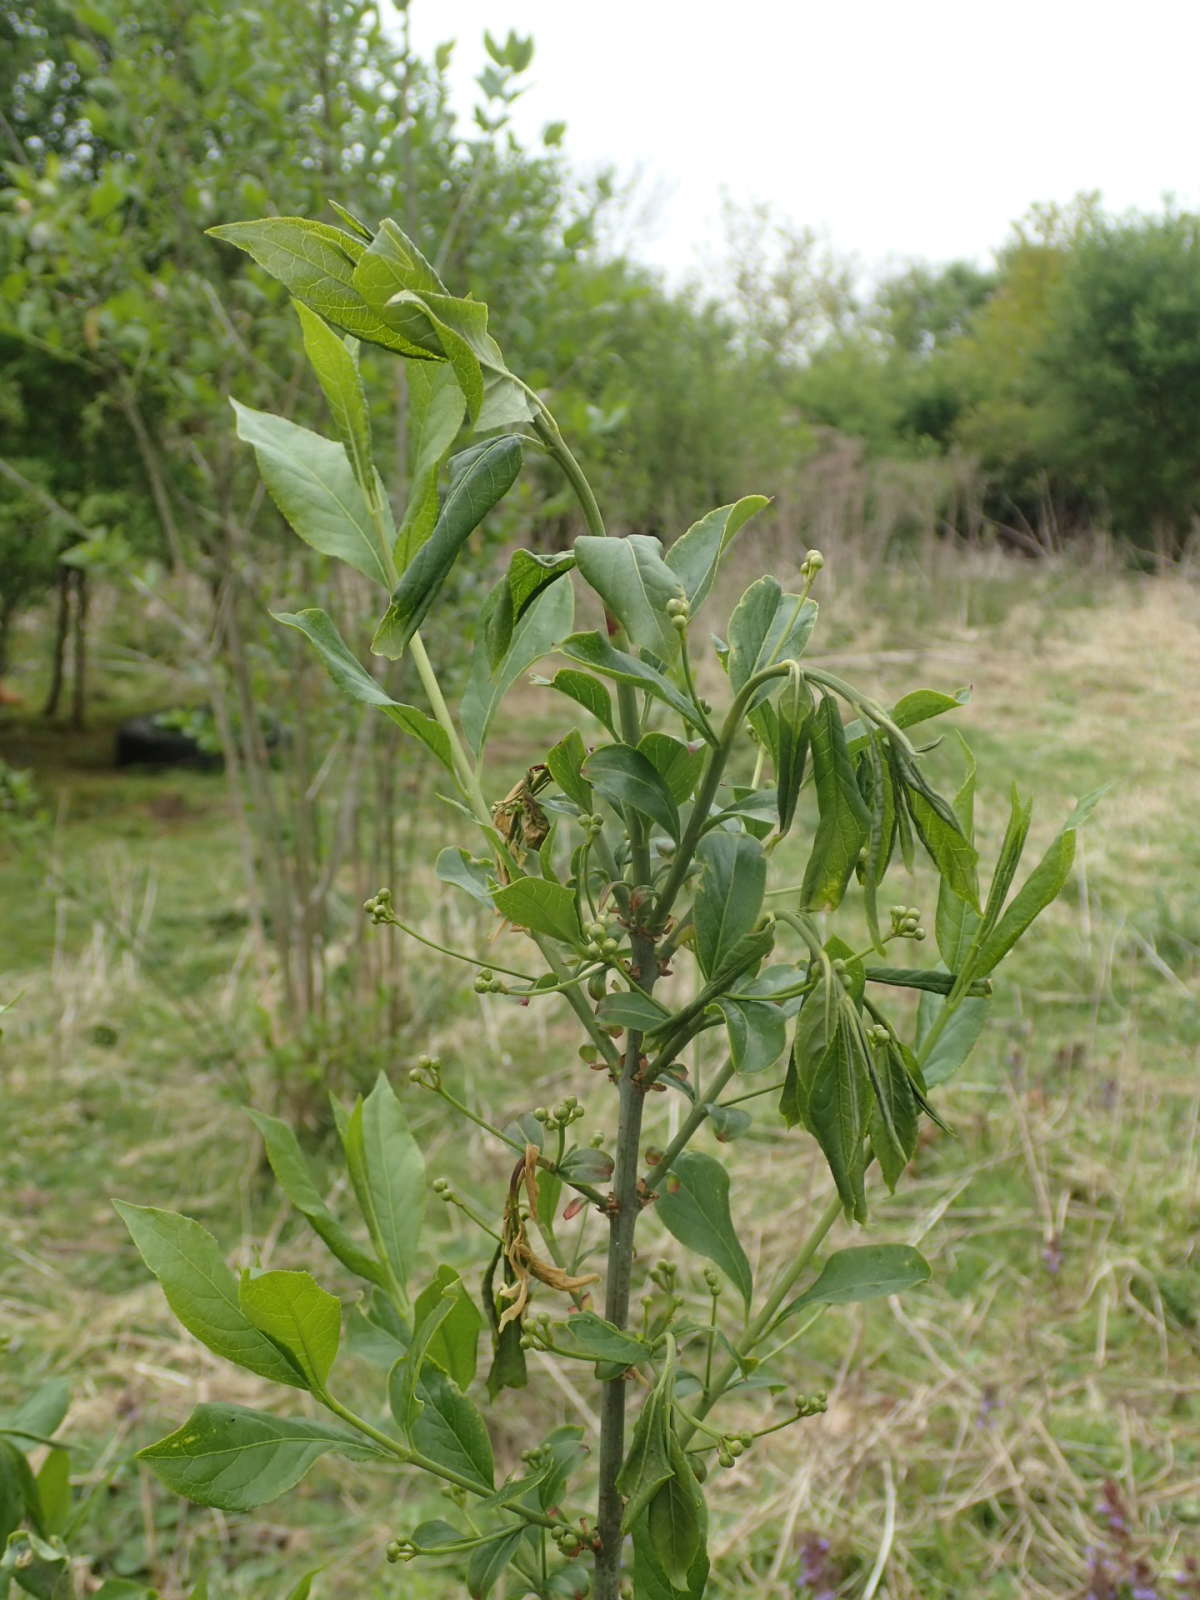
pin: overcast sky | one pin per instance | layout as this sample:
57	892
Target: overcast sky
901	130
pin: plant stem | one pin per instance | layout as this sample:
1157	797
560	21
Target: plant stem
691	1122
762	1322
622	1225
414	1458
547	430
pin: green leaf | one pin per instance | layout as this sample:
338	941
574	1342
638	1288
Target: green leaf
18	1491
590	1338
304	1588
647	1463
678	765
866	1272
593	650
793	716
488	1562
955	922
675	1520
40	1414
876	780
542	625
694	1207
565	762
387	1171
729	896
1043	886
202	1291
650	1581
454	1346
315	263
336	367
583	1165
837	1113
627	780
908	711
956	1040
948	848
294	1311
767	626
354	680
757	1033
629	1008
295	1180
696	555
456	865
895	1118
586	692
529	574
540	906
843	819
312	482
1012	846
54	1491
40	1566
635	583
393	263
449	1428
814	1030
404	1380
485	482
436	408
235	1459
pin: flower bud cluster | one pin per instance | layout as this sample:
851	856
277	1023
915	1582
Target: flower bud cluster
486	982
812	564
732	1446
561	1115
679	612
810	1405
602	942
379	906
906	922
427	1072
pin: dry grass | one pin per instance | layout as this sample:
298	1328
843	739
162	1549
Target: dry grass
972	1426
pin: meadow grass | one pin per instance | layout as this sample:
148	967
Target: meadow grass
1024	1426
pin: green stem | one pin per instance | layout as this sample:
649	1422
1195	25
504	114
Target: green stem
463	769
718	755
762	1322
414	1458
459	955
547	430
697	1115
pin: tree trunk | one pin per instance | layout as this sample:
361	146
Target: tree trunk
79	651
62	624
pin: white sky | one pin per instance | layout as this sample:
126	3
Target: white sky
899	128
